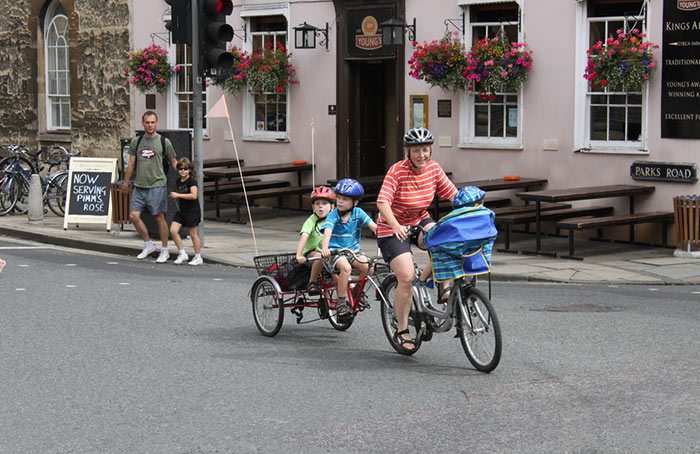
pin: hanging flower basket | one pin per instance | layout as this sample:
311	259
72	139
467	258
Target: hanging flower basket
235	78
269	71
439	63
623	63
496	65
148	69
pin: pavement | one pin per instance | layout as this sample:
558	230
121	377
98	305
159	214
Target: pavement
276	231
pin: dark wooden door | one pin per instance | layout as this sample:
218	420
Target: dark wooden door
371	110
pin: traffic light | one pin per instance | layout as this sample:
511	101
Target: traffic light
180	23
214	34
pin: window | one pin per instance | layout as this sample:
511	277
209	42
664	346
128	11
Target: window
57	68
183	90
266	113
494	122
613	121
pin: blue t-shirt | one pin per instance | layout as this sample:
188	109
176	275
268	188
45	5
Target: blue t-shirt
346	234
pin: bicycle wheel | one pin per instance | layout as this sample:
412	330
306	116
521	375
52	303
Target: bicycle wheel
268	309
8	192
389	322
478	329
56	189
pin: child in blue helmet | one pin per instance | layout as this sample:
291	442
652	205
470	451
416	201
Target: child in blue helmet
343	230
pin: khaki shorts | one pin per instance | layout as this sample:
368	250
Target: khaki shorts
333	260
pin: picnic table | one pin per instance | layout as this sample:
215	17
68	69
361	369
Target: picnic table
217	174
580	193
221	162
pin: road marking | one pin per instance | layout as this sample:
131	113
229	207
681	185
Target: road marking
124	283
613	286
217	279
696	293
22	247
112	263
71	264
71	286
653	289
23	266
20	289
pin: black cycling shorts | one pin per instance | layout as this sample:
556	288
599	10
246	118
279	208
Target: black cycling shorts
187	219
392	247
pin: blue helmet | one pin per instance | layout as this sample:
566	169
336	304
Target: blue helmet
350	188
468	196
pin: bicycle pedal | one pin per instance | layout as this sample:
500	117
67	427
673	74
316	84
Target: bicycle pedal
299	313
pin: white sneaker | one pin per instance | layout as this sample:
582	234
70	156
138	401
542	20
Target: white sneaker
147	250
197	261
163	256
181	257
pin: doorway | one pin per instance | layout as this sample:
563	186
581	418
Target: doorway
372	103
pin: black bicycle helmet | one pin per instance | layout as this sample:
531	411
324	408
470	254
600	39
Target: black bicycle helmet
417	136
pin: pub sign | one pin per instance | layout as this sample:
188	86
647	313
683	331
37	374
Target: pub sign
365	33
680	74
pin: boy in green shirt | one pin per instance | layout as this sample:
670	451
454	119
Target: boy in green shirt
322	200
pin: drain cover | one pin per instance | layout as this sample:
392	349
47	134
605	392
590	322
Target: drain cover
579	308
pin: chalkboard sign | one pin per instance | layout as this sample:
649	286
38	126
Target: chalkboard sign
88	200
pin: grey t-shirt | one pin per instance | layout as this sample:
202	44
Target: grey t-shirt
149	161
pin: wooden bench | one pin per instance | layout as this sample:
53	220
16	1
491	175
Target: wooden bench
513	209
235	186
255	194
508	220
664	217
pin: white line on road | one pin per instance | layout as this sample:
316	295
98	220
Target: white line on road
71	286
653	289
23	266
124	283
217	279
22	247
20	289
112	263
71	264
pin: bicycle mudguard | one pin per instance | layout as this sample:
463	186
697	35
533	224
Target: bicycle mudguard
272	282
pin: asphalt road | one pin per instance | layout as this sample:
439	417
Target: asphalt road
104	354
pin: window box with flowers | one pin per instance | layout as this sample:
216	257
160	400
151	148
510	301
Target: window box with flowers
622	63
148	69
440	63
495	65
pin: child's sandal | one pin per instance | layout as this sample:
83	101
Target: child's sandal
313	289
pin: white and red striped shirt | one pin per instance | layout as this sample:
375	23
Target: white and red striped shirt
410	193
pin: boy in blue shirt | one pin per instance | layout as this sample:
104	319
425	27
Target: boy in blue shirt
343	230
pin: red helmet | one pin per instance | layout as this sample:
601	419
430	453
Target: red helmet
323	192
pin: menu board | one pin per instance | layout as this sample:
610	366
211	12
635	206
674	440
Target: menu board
680	78
88	199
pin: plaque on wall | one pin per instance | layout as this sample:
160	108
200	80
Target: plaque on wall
680	73
444	108
365	34
676	172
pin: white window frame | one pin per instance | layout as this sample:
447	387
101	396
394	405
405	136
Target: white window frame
173	113
582	108
249	130
53	99
468	139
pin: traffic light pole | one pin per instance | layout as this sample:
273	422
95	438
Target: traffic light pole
197	114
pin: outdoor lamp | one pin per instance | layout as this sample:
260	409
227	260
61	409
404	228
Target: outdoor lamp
393	30
305	36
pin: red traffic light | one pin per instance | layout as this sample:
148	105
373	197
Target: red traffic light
215	7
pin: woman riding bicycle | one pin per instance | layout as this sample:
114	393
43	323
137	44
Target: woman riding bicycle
408	189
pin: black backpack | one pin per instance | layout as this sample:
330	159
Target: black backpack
166	163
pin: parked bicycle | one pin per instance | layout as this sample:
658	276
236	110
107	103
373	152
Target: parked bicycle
467	309
275	289
15	178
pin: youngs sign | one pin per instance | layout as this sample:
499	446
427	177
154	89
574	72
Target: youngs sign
664	171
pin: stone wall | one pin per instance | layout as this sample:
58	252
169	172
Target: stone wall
100	99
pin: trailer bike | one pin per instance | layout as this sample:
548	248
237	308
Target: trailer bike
278	288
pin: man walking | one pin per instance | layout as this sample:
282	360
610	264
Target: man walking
150	183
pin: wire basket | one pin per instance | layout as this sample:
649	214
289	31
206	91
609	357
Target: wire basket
276	265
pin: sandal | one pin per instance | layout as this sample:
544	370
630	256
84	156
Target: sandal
313	289
445	296
402	341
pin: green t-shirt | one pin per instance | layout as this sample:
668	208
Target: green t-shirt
312	226
149	161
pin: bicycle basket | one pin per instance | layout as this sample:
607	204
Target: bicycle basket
276	265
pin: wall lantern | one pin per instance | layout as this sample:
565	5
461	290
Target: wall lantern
393	31
305	36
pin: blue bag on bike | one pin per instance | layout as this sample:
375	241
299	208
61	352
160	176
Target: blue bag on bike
461	242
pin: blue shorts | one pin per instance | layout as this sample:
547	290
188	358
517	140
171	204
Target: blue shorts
154	200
